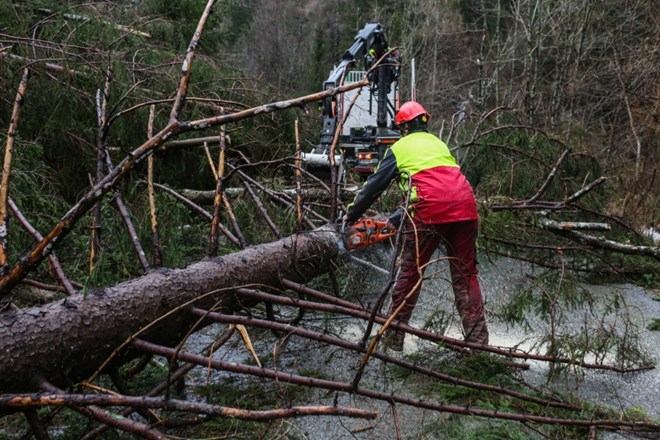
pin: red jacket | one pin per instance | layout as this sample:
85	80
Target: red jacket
440	193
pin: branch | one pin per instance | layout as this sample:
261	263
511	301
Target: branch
201	124
384	396
282	198
545	205
198	209
360	348
262	209
549	179
55	263
83	400
173	377
83	18
427	335
155	239
6	169
106	162
187	63
128	425
585	189
603	243
572	226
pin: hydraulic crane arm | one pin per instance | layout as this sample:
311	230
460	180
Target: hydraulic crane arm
370	44
371	36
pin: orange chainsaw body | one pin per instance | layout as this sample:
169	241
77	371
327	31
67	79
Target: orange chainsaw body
367	231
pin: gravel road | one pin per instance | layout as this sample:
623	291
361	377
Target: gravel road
498	280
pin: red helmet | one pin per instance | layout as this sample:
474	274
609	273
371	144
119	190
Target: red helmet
409	111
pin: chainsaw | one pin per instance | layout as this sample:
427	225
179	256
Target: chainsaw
367	231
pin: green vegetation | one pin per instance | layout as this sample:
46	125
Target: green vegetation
606	334
489	370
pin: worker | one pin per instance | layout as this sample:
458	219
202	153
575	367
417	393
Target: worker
442	211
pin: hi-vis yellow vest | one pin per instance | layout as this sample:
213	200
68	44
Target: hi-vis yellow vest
439	192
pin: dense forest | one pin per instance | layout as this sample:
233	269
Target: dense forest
119	118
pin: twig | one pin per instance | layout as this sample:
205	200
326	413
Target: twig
297	175
260	206
55	263
483	118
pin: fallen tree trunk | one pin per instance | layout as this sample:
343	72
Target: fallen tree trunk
206	196
66	341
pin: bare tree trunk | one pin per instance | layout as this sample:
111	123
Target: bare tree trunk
66	341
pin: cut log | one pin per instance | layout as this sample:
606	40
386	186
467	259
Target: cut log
66	341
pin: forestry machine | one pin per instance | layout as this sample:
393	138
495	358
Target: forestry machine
367	129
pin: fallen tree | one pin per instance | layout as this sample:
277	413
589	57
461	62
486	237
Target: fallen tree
66	341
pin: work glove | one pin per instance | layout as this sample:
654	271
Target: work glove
396	218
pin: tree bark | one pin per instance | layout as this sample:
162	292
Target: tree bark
66	341
317	194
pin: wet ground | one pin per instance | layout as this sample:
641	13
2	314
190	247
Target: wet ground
499	280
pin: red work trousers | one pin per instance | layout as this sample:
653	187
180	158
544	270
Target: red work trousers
420	242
